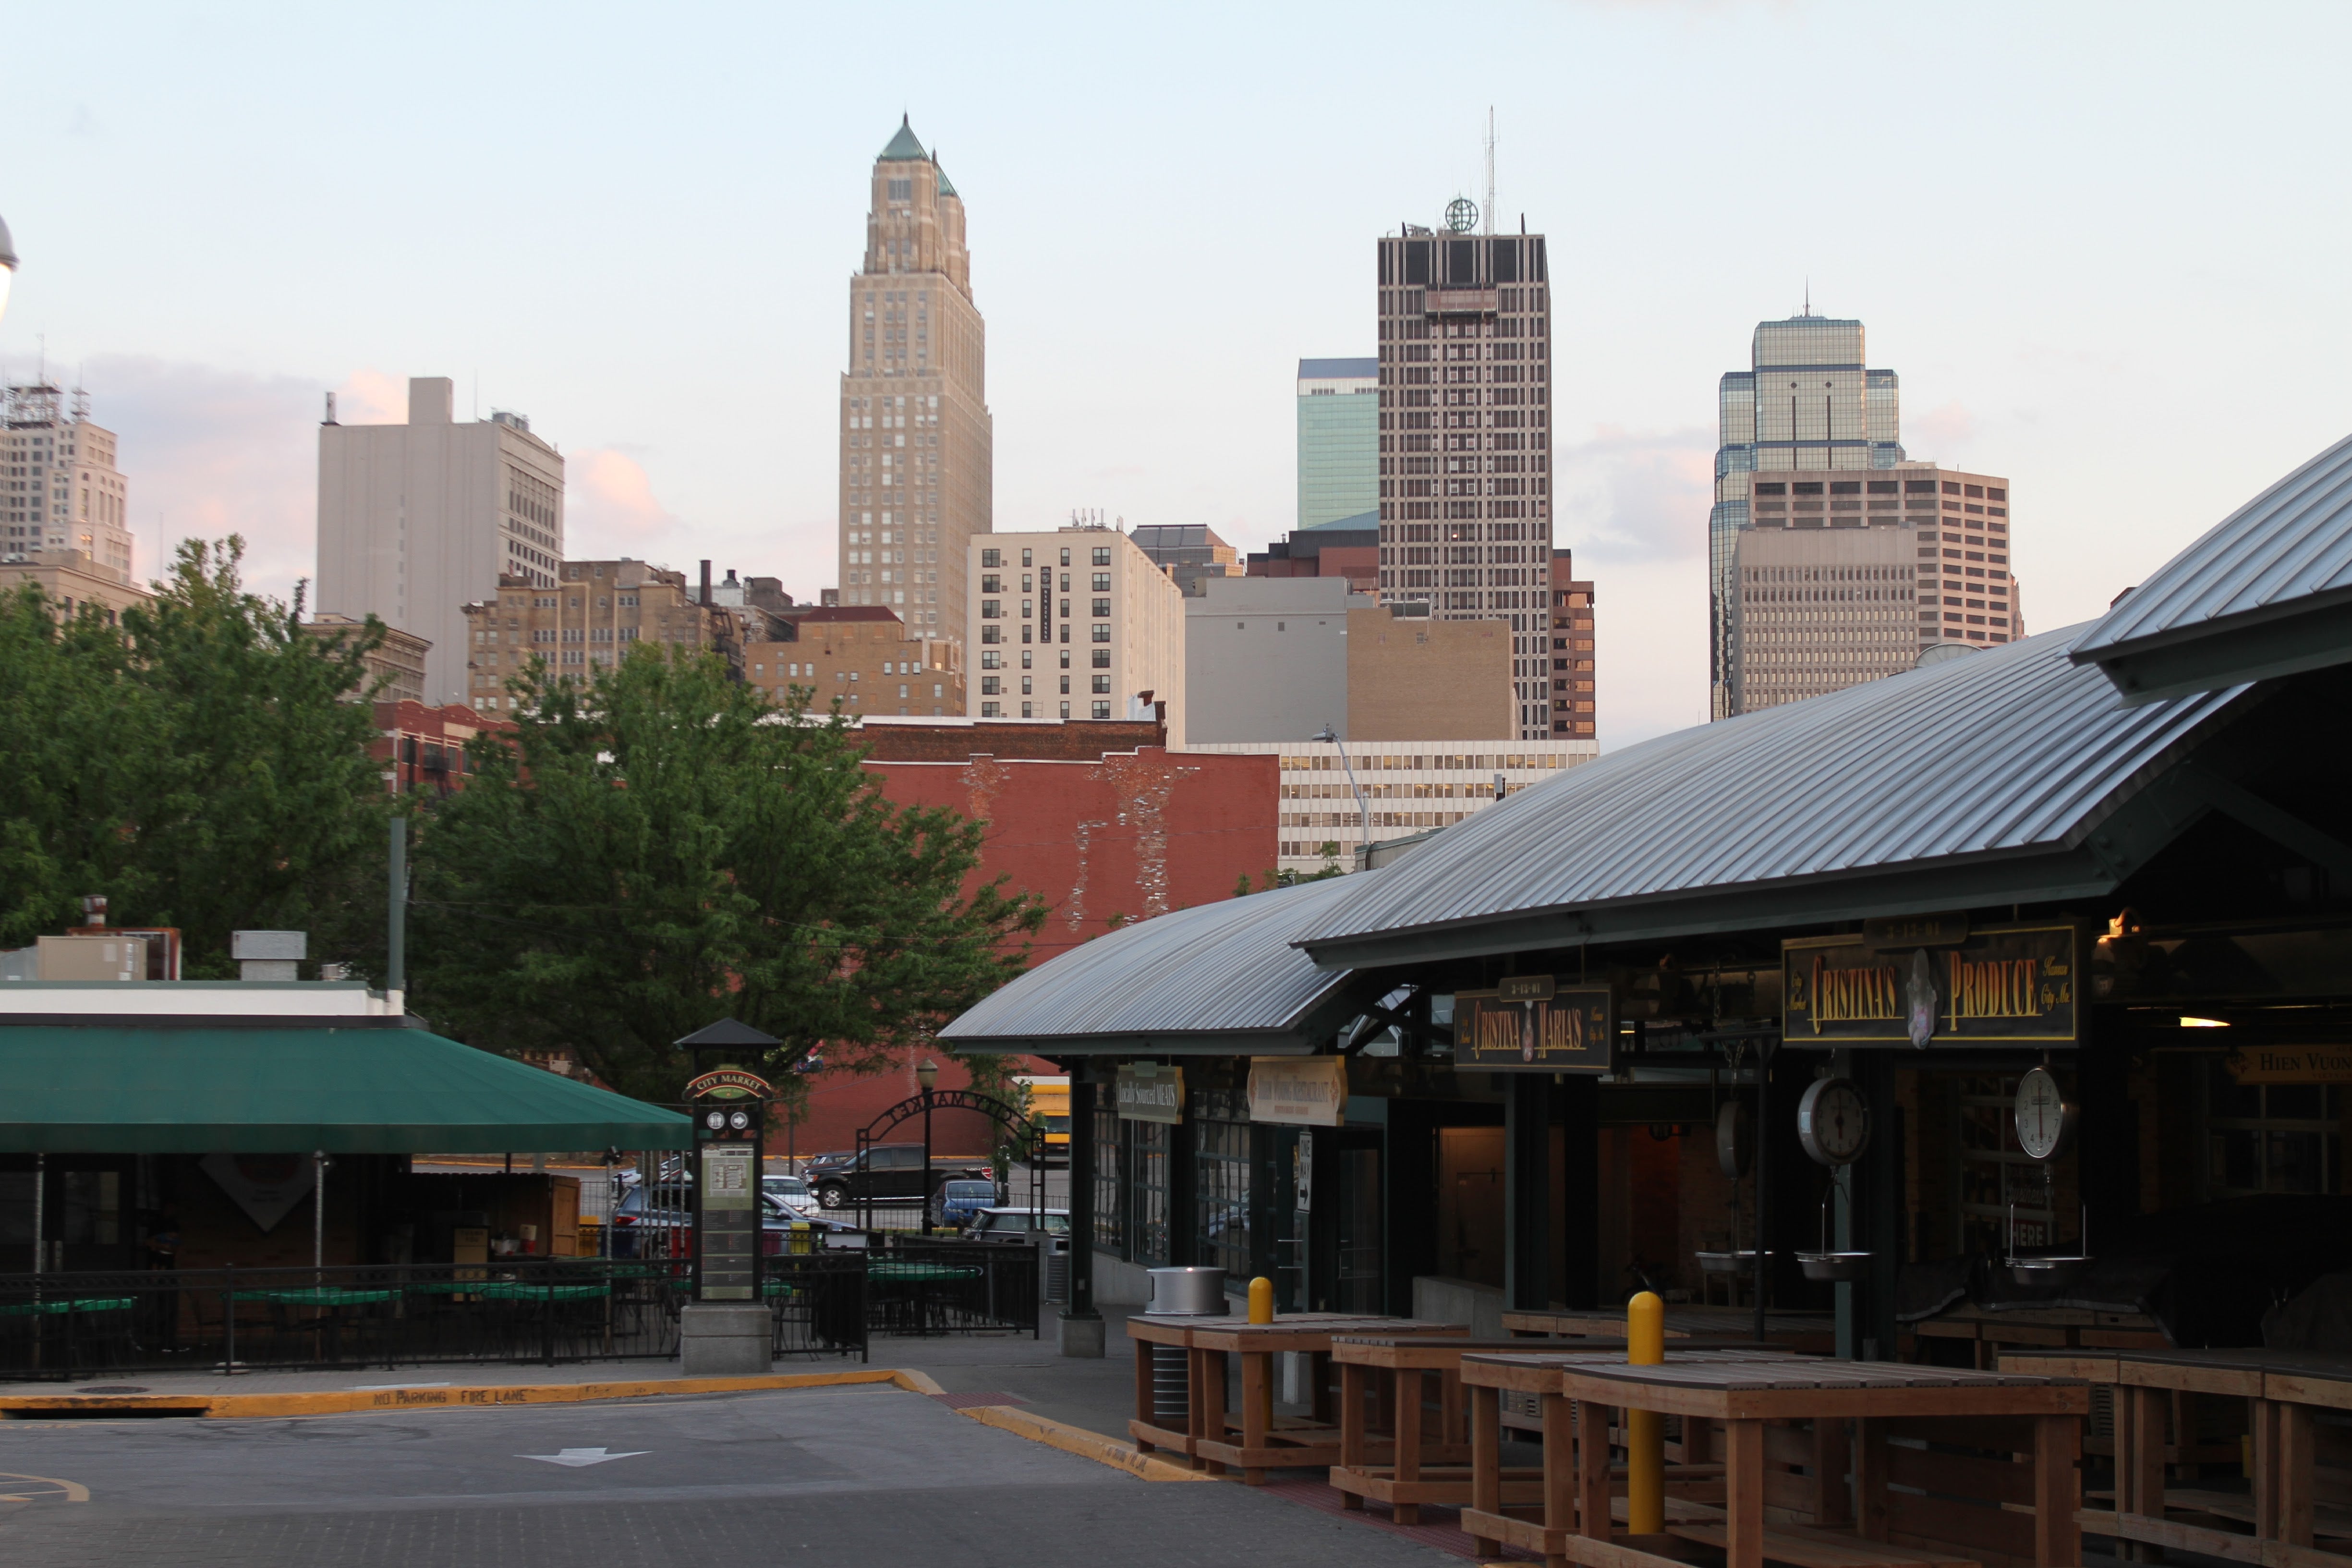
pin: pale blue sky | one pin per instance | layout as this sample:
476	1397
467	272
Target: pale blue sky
2104	246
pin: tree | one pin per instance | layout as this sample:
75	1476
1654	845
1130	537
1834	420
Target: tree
199	762
662	846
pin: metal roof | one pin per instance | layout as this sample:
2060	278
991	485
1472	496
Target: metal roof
1221	979
2007	755
2264	592
1339	369
903	148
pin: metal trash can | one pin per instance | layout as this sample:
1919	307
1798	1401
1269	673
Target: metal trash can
1191	1292
1057	1270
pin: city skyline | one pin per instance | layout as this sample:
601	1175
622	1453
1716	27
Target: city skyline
669	310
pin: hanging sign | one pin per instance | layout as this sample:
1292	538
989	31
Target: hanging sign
1530	1022
2008	986
266	1186
1146	1092
2290	1064
730	1083
1298	1091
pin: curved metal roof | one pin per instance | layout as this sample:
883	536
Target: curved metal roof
2013	751
1222	979
2284	556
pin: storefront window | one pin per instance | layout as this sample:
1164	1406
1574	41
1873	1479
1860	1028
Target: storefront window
1110	1222
1995	1174
1148	1156
2270	1138
1222	1177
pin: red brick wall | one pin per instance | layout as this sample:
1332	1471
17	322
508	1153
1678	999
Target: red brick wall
1072	740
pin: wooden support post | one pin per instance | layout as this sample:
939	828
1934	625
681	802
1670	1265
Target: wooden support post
1258	1395
1870	1479
1559	1469
1318	1378
2266	1468
1208	1409
2293	1487
1351	1425
2057	1492
1593	1469
1485	1462
2139	1460
1407	1440
1831	1455
1743	1494
1146	1355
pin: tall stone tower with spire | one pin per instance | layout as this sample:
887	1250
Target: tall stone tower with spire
917	442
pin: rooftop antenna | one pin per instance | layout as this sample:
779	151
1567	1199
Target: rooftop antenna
1809	297
1489	213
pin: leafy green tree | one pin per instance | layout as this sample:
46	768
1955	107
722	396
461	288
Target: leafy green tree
198	762
662	846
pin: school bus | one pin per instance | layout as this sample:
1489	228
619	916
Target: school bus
1049	1107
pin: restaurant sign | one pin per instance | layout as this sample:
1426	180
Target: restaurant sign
1298	1091
1530	1022
2290	1064
2001	985
1146	1092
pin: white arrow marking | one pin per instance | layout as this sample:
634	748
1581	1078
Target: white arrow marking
574	1457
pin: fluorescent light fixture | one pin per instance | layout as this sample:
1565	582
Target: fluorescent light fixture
2188	1023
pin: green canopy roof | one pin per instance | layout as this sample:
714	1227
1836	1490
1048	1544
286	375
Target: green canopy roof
130	1088
903	147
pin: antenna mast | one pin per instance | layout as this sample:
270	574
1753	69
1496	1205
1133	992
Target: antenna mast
1489	213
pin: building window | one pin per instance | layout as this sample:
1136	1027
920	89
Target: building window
1102	556
1102	609
1147	1162
2270	1138
1102	684
1221	1132
1110	1222
989	710
991	558
1102	659
1102	632
1102	581
1102	710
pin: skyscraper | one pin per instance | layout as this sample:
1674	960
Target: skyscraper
1805	402
916	437
418	521
63	490
1339	439
1465	436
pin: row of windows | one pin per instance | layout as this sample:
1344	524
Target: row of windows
992	685
1881	488
1101	556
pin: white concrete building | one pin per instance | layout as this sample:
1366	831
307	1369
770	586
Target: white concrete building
60	488
1403	786
418	521
1074	624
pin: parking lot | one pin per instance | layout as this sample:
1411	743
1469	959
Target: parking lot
852	1475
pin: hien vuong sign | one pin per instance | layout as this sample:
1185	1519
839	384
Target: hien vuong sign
1530	1022
2004	985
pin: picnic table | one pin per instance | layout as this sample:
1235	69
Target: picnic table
1385	1388
1810	1334
1266	1441
2286	1508
1738	1409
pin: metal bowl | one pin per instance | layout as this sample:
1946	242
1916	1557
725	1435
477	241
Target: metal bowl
1834	1266
1727	1262
2040	1273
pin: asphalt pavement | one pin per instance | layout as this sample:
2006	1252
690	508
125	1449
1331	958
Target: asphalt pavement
855	1475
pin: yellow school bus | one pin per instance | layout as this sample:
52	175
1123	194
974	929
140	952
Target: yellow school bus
1049	1107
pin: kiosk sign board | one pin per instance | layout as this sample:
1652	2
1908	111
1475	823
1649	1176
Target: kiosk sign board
1532	1023
729	1107
1999	985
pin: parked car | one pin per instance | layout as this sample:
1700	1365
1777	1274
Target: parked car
793	1191
652	1222
887	1171
1018	1225
777	1221
958	1201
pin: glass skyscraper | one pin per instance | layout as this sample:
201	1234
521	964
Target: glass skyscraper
1807	402
1339	439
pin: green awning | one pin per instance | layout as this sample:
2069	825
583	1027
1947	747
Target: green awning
125	1088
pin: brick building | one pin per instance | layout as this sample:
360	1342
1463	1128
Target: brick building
863	655
422	746
1349	548
592	614
1573	699
1098	819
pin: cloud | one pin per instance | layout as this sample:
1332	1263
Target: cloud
609	506
1937	435
1628	496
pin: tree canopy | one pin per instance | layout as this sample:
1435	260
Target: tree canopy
196	761
662	845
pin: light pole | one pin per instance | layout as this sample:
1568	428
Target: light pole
1363	817
928	1075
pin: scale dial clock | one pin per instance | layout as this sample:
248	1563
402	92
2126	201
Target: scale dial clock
1833	1121
2046	1117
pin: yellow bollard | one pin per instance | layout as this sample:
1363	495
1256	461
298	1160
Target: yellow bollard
1261	1300
1646	1430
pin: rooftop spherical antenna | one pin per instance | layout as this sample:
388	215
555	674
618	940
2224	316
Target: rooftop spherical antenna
1461	214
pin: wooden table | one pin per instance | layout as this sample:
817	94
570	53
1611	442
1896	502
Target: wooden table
1810	1334
1384	1387
1741	1398
2035	1328
1266	1441
2284	1506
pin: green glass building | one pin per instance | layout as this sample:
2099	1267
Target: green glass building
1339	440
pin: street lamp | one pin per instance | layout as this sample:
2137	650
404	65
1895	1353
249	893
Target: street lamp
928	1075
8	265
1363	817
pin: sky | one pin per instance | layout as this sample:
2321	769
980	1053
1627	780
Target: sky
2103	245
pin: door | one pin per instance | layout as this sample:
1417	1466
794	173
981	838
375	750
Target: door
1357	1285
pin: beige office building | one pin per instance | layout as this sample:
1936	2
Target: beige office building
69	580
864	657
1074	624
396	669
590	615
59	490
916	437
1396	789
1465	439
1843	576
417	521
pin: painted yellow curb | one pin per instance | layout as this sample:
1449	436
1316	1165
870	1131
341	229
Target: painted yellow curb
231	1406
1079	1441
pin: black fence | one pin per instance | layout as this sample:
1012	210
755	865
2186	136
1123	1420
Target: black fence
510	1310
